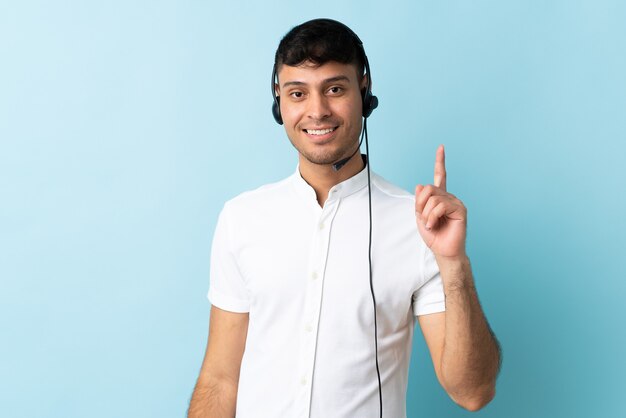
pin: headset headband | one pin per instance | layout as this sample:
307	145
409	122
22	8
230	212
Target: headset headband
370	102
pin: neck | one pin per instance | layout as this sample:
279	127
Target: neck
323	177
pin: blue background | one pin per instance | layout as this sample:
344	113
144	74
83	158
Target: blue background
124	126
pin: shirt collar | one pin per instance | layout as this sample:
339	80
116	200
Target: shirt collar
338	191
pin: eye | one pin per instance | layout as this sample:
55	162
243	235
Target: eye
335	90
296	94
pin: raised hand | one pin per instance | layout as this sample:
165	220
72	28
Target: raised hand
441	217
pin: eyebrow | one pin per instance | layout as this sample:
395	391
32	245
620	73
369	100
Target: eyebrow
327	81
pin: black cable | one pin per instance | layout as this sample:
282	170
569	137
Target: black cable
369	195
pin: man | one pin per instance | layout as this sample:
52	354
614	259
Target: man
293	331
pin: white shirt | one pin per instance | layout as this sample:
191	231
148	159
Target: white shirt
302	273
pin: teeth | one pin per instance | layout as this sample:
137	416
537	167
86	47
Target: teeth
319	131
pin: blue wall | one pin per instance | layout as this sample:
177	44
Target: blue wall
124	126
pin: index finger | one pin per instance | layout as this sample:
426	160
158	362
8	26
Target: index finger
440	168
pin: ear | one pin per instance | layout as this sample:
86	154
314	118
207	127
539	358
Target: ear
364	81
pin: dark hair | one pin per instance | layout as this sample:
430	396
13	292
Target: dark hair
320	41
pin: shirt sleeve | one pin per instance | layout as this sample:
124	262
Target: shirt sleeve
227	288
429	298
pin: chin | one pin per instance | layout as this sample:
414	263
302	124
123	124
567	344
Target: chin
321	159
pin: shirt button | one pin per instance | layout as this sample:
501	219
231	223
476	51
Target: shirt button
303	381
308	328
321	225
314	275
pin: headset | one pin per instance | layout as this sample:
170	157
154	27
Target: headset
370	102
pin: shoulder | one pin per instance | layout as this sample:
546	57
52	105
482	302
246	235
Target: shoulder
392	192
263	196
394	207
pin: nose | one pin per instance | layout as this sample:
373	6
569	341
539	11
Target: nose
319	108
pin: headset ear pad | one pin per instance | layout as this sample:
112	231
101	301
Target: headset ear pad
370	102
276	110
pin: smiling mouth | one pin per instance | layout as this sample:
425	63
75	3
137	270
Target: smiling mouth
319	131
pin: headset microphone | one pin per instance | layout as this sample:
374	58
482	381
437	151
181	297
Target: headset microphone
337	166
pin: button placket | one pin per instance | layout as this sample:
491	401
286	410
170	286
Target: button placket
317	266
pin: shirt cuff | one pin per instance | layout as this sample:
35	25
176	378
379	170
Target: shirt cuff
430	308
227	303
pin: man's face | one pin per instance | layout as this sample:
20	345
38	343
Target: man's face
321	107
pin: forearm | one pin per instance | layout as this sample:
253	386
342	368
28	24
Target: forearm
471	355
213	399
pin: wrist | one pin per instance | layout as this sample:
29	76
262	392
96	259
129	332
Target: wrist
455	271
457	262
